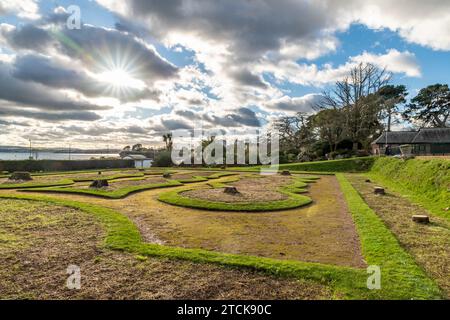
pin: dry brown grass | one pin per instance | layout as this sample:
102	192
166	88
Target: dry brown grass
429	244
39	241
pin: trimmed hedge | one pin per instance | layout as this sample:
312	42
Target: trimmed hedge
62	165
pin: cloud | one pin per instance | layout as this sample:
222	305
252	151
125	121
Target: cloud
99	49
50	116
27	37
314	75
55	74
240	117
33	95
27	9
305	104
394	61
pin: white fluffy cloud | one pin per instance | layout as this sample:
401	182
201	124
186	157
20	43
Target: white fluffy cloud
27	9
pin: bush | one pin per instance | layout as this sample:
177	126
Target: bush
163	159
344	165
25	176
62	165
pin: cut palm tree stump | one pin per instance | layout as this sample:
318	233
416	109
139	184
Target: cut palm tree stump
167	175
379	190
285	173
421	219
231	190
99	184
25	176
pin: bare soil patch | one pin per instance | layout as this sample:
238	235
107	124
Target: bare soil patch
39	241
429	244
250	190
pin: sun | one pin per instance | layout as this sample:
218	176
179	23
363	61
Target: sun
120	79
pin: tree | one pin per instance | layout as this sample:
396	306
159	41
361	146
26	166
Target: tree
127	148
167	138
137	147
295	133
431	107
330	126
391	97
357	96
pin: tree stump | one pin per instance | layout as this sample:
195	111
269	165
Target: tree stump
368	181
19	175
167	175
421	219
99	184
285	173
379	190
231	190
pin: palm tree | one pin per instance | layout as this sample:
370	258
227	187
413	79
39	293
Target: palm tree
168	141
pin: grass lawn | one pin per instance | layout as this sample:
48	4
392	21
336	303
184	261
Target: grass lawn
315	251
292	200
72	236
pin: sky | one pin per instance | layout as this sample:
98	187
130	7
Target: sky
137	69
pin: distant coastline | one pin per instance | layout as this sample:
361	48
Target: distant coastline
46	155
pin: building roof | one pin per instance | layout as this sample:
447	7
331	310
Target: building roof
136	157
437	135
430	135
399	137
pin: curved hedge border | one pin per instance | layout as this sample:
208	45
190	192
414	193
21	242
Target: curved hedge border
295	200
116	194
33	184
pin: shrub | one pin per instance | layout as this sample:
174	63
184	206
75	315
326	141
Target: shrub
25	176
163	159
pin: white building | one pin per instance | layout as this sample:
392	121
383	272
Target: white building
140	161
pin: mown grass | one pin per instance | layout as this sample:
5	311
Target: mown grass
402	279
110	177
425	182
294	200
115	194
400	273
34	184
